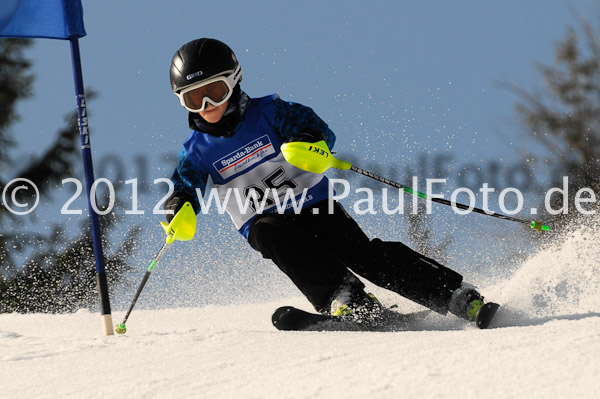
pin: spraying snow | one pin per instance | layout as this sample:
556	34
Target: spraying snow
560	281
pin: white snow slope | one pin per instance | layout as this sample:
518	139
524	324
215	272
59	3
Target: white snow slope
545	344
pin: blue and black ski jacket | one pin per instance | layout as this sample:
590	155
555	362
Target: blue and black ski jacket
249	163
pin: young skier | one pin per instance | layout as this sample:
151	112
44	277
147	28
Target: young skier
236	141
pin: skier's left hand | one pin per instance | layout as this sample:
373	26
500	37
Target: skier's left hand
307	136
175	203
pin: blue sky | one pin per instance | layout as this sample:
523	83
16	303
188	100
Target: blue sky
392	79
425	74
399	82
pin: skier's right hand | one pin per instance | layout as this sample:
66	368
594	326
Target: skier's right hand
175	203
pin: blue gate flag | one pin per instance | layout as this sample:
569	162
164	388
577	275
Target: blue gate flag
52	19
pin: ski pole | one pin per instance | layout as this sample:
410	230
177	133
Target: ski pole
181	228
533	224
120	328
317	158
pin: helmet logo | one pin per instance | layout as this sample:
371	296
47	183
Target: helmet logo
193	75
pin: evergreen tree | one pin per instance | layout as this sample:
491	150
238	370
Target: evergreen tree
565	117
15	85
46	272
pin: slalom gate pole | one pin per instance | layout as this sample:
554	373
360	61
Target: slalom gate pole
120	328
86	153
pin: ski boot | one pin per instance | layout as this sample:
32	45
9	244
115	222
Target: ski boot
468	304
465	302
354	304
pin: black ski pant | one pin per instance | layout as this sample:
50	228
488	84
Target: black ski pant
315	249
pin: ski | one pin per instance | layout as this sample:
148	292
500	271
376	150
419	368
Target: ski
289	318
485	314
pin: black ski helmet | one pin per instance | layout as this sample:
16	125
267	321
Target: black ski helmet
200	60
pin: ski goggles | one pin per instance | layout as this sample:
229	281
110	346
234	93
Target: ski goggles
215	91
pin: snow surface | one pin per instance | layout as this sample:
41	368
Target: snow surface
545	344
